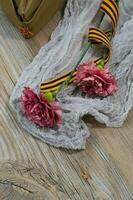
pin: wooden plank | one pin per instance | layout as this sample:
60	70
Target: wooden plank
30	169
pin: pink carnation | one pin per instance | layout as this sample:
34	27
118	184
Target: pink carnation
38	110
95	82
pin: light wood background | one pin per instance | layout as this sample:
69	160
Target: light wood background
30	169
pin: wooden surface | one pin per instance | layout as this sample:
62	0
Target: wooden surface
30	169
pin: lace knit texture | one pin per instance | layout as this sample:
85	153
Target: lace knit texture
60	55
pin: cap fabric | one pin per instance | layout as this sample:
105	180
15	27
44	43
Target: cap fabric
30	16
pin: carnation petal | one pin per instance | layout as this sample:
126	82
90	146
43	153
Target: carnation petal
95	82
38	110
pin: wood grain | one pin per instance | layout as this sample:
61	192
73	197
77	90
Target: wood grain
30	169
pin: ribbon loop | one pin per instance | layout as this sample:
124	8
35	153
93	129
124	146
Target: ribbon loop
97	36
110	8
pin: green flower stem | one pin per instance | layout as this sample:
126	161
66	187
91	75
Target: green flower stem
66	82
98	23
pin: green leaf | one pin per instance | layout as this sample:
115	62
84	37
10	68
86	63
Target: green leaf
50	97
101	64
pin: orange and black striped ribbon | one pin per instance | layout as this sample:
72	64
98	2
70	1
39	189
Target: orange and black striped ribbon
110	8
95	36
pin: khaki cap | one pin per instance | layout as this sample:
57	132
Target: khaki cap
31	15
